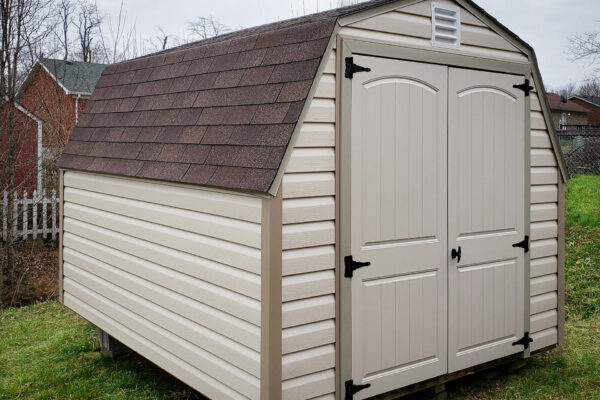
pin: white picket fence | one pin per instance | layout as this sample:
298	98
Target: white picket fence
43	211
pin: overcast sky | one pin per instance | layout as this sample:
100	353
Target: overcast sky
545	24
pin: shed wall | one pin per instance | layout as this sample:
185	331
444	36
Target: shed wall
173	272
308	266
544	289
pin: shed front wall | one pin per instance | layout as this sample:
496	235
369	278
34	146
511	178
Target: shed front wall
173	272
309	197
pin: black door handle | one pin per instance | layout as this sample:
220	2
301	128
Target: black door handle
456	253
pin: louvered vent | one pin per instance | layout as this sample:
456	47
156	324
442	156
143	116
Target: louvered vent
445	25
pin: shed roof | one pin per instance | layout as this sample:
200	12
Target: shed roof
218	112
74	76
557	104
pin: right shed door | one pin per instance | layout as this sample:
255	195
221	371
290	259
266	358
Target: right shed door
486	203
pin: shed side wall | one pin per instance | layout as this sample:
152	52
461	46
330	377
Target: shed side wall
173	272
544	233
308	266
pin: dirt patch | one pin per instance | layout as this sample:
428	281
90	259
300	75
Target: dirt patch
36	273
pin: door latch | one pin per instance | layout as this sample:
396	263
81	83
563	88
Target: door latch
350	265
456	254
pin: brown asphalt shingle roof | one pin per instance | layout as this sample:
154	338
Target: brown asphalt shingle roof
218	112
557	104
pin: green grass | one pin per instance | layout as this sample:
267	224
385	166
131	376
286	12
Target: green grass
48	352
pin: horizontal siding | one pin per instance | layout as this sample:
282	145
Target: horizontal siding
179	284
308	260
544	232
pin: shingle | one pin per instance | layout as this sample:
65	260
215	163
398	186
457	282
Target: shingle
200	66
150	151
127	104
181	84
294	91
252	157
123	167
185	100
228	176
75	161
218	134
100	164
80	133
171	152
277	135
297	71
271	39
188	116
224	62
192	134
179	69
147	118
222	155
294	112
114	134
199	174
149	134
251	58
242	44
246	135
216	48
256	75
174	57
205	81
141	75
257	179
163	170
79	148
295	52
155	61
166	118
311	31
170	134
271	113
228	79
130	134
195	153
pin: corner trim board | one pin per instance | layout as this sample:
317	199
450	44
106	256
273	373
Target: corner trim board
271	299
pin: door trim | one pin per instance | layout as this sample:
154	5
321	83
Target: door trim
346	48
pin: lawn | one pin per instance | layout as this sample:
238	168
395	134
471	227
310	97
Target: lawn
47	352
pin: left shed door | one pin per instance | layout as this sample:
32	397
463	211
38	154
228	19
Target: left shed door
398	222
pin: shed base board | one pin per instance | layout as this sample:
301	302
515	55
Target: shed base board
111	347
440	380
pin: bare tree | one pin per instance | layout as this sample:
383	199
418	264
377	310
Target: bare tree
206	27
590	87
88	23
585	46
565	91
66	8
21	26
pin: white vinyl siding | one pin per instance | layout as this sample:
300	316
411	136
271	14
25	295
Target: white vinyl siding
171	271
410	26
308	189
544	233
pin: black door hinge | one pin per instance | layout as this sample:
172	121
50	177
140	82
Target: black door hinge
352	389
351	265
523	243
352	68
526	87
525	340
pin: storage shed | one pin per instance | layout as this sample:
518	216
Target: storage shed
340	205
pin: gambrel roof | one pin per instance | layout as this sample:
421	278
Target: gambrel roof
218	112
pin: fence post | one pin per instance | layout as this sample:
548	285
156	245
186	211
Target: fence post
34	206
25	218
4	208
54	214
44	217
15	213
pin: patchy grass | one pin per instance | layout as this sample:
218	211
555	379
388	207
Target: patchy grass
583	201
48	352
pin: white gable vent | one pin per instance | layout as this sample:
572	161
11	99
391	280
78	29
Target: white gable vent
445	25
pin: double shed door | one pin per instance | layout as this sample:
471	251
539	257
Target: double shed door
436	162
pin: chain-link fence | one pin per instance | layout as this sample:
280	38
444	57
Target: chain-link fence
581	150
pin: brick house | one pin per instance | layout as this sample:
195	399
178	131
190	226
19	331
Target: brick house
591	103
56	92
566	113
28	136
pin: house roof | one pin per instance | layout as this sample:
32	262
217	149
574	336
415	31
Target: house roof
593	100
218	112
557	104
75	76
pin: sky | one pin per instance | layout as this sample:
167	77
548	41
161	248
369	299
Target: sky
544	24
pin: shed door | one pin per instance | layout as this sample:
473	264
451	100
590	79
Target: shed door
399	223
485	216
